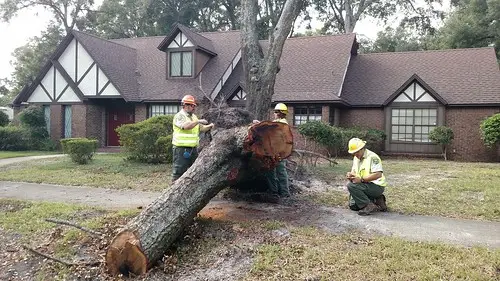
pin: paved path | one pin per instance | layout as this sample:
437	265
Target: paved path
421	228
8	161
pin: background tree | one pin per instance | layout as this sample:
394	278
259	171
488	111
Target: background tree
398	39
65	12
341	16
260	70
475	23
30	58
5	93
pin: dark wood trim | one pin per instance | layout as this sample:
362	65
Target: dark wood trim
62	92
68	79
97	81
86	72
54	83
425	86
103	88
46	92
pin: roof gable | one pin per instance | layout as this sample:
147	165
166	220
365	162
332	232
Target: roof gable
419	95
185	37
117	62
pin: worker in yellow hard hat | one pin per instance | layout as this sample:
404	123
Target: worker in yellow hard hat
186	136
277	179
366	179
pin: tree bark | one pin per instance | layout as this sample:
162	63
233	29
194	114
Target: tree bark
259	70
225	161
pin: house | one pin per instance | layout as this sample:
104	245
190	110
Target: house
92	85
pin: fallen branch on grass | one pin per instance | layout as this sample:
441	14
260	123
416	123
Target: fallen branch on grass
302	152
68	223
66	263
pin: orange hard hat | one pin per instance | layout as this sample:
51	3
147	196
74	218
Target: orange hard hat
188	99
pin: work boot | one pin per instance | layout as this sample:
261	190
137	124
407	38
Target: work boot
368	209
380	202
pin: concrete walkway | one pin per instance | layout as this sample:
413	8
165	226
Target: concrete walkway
8	161
418	228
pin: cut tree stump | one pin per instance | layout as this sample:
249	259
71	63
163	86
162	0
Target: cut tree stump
233	155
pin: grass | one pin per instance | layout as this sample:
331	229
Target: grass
311	254
429	187
106	170
12	154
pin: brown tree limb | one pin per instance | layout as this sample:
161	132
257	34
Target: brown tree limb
47	256
68	223
300	151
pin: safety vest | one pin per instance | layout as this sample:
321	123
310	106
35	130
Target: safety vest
186	138
362	168
281	120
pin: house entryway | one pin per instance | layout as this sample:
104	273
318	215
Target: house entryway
116	118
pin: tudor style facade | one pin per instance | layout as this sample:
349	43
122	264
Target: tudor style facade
91	86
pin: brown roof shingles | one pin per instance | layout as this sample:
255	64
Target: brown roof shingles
153	85
460	76
313	68
118	62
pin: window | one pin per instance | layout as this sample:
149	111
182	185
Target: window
46	113
181	64
302	114
67	121
413	125
162	109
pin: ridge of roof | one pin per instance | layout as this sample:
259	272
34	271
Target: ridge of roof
200	41
427	51
100	38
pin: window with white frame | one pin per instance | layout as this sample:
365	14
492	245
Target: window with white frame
181	64
162	109
302	114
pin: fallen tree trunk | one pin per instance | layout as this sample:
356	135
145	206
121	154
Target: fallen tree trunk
233	155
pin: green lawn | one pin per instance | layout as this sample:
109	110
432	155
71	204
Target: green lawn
106	170
312	254
429	187
12	154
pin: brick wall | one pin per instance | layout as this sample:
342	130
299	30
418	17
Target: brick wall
372	118
56	122
96	123
141	112
78	121
467	144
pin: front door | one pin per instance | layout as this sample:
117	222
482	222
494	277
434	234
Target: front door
116	118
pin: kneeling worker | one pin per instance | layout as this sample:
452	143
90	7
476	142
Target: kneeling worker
367	181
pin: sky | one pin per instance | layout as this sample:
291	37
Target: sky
31	22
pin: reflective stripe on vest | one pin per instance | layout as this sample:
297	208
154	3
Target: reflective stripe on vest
186	138
363	168
281	120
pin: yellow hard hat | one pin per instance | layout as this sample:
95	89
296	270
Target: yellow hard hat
281	107
356	145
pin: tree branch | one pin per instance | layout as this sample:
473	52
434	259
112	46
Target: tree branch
68	223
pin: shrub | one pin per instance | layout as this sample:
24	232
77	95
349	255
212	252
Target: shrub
14	138
490	130
33	119
148	141
335	139
81	150
33	116
4	119
443	136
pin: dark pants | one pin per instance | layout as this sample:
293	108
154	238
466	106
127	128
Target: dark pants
363	193
181	163
277	180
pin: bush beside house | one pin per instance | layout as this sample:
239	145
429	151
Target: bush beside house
148	141
81	150
443	136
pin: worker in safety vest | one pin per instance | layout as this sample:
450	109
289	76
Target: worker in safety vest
186	136
366	180
277	179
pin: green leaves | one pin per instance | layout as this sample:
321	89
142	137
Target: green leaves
490	130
